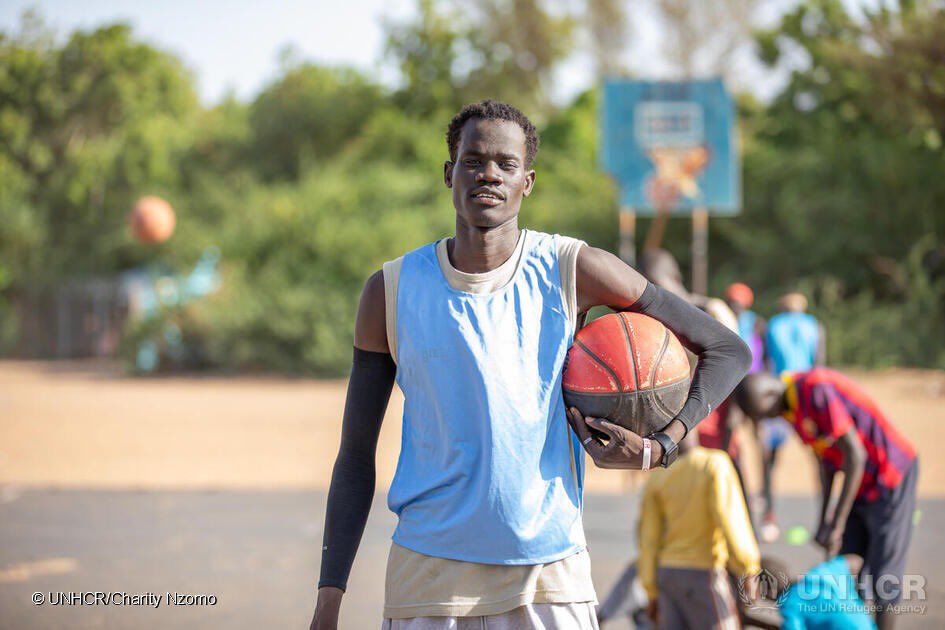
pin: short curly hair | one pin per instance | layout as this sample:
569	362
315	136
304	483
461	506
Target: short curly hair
493	110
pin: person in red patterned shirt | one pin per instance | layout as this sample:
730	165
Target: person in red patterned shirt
849	433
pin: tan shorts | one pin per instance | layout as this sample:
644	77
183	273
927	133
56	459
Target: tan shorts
576	616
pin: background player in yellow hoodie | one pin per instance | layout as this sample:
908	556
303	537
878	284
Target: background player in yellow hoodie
694	526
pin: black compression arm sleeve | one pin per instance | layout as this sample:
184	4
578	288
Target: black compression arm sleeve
352	481
724	358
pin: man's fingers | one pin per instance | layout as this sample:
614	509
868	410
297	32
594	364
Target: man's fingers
613	433
591	444
576	420
612	430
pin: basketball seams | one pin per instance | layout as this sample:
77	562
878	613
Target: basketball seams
659	358
631	350
597	360
652	365
620	403
655	390
657	399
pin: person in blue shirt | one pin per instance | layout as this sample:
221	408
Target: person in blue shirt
794	342
826	598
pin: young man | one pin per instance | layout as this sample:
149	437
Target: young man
694	524
475	329
794	341
751	326
848	433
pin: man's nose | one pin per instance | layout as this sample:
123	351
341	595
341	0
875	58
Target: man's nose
490	172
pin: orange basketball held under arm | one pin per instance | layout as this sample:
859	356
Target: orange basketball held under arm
628	368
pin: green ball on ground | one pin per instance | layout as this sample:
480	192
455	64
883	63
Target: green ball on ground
797	535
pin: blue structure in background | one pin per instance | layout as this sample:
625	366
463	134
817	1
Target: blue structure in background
672	145
149	291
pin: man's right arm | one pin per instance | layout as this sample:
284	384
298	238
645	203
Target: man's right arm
352	482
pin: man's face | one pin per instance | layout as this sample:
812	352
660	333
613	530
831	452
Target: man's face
489	177
761	395
769	405
766	402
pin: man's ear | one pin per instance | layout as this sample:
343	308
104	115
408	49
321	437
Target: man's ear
448	173
529	183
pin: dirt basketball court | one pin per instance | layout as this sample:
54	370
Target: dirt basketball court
218	485
86	425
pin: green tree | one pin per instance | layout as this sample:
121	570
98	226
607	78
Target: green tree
425	52
454	53
608	32
842	189
85	127
307	116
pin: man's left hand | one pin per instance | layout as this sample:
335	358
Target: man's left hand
623	449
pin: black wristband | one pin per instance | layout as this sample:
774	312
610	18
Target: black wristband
670	448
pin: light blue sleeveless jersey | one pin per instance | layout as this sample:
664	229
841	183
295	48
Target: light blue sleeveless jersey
489	470
792	342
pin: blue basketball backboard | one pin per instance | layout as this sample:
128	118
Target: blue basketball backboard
672	144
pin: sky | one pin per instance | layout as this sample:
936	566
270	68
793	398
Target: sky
234	45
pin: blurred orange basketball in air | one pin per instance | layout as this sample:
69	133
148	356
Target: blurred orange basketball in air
152	220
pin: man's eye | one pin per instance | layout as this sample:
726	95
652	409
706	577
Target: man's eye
509	166
471	162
